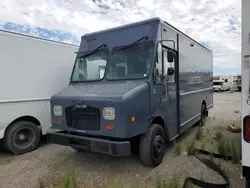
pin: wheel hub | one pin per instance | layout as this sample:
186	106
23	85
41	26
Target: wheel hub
23	137
158	146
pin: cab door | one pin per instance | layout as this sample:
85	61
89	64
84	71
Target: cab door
171	91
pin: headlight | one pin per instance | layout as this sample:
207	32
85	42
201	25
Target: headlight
57	110
108	113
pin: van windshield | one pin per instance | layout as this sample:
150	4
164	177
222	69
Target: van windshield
91	67
132	62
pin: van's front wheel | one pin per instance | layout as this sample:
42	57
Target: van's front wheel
21	137
203	115
152	145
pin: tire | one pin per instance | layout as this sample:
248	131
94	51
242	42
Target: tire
203	115
21	137
149	155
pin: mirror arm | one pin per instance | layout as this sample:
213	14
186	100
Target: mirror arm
169	41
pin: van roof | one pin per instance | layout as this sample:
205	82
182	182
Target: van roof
151	20
39	38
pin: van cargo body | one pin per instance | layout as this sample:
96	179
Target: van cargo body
245	92
32	70
157	82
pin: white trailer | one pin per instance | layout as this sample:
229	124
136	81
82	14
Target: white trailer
245	102
32	70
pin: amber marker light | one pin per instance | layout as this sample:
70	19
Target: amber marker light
133	118
59	122
110	127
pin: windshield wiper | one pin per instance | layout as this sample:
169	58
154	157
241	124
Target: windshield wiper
88	54
94	51
128	46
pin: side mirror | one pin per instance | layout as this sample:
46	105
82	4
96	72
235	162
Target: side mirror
81	77
170	56
81	64
171	71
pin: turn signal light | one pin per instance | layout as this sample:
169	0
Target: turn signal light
58	122
133	118
246	128
110	127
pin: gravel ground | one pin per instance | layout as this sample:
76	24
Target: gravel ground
50	162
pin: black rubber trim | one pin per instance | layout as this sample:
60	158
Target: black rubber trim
247	184
246	172
204	184
244	127
178	85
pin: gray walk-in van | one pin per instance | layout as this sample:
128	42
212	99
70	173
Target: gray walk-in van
133	89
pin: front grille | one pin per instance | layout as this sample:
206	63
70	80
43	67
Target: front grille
83	118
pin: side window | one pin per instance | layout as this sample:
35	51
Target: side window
167	64
158	71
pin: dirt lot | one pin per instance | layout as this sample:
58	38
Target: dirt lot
50	162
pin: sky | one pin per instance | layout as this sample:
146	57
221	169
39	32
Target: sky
214	23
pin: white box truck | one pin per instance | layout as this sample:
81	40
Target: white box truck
31	71
245	97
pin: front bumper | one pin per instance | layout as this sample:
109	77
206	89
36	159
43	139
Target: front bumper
99	145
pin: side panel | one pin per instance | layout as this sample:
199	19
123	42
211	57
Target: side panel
195	80
31	70
38	109
245	70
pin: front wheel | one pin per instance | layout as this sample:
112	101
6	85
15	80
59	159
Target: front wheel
152	145
203	115
21	137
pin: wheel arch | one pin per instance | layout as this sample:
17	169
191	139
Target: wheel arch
25	118
204	102
159	120
8	139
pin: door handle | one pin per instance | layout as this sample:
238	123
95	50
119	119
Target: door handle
160	100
